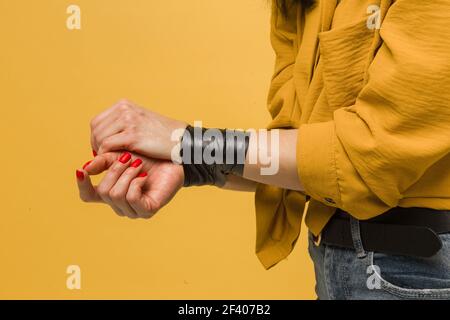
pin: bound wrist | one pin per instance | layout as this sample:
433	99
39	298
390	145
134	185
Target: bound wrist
209	155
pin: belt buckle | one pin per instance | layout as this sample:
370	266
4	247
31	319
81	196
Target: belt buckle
317	240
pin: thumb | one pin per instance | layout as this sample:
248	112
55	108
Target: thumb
88	193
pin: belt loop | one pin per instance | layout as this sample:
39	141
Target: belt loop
356	237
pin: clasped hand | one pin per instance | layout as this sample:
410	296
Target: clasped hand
134	146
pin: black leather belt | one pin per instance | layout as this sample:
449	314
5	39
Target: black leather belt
403	231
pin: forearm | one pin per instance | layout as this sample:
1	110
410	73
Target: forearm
239	160
236	183
280	149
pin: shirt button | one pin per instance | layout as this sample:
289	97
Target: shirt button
329	200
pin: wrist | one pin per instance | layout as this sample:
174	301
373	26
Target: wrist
174	145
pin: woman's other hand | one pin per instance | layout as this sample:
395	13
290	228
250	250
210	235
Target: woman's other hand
126	126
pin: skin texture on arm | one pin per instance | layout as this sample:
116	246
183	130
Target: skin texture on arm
286	176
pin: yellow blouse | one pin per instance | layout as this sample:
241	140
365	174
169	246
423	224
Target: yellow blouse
372	106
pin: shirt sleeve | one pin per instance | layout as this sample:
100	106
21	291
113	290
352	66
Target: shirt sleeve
279	212
374	150
283	37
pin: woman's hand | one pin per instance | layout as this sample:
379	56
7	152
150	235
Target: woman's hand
136	187
126	126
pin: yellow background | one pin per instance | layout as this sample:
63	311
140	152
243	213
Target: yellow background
206	60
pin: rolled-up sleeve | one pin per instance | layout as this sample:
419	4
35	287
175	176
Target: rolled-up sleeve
365	159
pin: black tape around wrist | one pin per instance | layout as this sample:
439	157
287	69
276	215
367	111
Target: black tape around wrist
231	145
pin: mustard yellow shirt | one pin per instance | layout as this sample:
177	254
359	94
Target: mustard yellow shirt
372	106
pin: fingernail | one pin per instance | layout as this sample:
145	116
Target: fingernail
94	153
124	158
142	175
136	163
86	164
80	175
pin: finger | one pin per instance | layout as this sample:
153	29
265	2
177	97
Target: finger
94	145
118	193
110	178
105	129
143	205
110	112
88	193
120	141
121	104
104	161
100	163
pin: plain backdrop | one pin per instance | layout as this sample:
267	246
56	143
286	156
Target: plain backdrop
207	60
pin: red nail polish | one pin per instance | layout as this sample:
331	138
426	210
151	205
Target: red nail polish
86	164
136	163
124	158
94	153
142	175
80	175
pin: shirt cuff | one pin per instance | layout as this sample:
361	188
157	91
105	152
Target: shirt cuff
316	162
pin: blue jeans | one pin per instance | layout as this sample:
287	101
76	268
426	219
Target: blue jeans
344	274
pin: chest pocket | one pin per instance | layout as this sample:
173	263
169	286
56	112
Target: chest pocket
345	54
